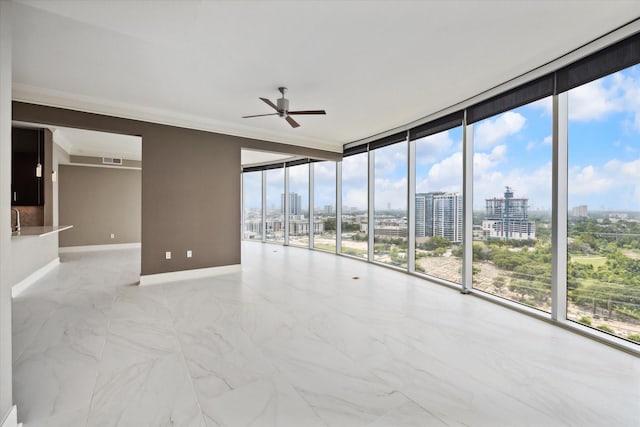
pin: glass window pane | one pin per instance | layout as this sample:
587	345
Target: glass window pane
354	205
512	205
439	205
274	231
298	205
390	197
324	202
603	271
252	205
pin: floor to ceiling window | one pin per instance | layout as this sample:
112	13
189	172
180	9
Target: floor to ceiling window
324	202
390	204
355	205
512	188
299	205
439	205
512	205
252	205
274	205
603	271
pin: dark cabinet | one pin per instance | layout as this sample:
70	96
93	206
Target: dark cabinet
27	162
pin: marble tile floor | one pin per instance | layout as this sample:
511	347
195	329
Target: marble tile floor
295	340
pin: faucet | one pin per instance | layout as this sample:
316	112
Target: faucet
17	227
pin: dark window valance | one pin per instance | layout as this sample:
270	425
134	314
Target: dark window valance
511	99
441	124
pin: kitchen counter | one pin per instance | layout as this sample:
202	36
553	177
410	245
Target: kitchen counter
39	231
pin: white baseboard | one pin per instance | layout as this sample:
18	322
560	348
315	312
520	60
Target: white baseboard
22	285
11	420
174	276
89	248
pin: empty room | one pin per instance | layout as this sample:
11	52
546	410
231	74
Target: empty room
311	213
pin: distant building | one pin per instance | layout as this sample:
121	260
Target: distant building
391	227
420	215
295	203
300	227
439	214
581	211
507	218
328	209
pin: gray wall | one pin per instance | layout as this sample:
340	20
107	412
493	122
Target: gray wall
99	201
190	185
6	399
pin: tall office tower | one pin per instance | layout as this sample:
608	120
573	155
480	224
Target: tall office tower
507	218
295	203
420	215
439	214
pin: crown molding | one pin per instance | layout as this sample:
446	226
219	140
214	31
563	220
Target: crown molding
54	98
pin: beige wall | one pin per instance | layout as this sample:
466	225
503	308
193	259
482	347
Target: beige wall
99	201
190	185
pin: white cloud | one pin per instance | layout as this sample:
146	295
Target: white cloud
593	101
588	180
491	132
299	173
445	175
486	161
430	148
628	84
390	192
354	198
548	140
544	104
389	159
354	168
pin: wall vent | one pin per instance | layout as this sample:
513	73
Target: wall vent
111	161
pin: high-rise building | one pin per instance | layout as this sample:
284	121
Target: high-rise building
420	215
439	214
295	203
507	218
581	211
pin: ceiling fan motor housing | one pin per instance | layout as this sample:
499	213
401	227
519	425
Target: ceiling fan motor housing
283	106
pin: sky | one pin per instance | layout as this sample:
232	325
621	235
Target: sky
511	149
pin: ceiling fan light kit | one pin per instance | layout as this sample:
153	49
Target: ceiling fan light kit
282	109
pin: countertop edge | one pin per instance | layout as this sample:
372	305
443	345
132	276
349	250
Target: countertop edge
39	231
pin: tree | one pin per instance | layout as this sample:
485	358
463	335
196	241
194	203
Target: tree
330	224
499	283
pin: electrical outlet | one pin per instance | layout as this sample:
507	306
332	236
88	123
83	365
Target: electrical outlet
189	253
167	255
113	236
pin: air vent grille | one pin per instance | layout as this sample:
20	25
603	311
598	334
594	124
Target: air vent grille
112	161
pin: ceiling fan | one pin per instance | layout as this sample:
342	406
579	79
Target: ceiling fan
282	109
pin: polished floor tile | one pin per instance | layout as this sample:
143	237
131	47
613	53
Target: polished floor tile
295	340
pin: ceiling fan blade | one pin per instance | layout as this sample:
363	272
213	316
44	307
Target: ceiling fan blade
292	122
269	103
260	115
308	112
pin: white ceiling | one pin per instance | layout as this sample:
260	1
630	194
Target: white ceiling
373	65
